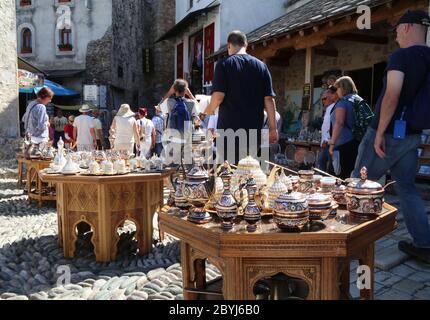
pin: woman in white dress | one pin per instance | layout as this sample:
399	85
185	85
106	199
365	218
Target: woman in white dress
125	130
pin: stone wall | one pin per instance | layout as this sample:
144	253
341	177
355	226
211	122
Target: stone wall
159	17
8	71
99	60
127	51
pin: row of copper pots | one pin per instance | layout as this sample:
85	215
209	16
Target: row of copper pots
361	197
293	211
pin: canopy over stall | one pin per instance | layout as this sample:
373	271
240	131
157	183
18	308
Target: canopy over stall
58	89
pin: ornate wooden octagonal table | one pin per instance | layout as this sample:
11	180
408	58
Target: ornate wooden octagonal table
319	258
104	203
36	188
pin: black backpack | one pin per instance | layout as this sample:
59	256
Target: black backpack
363	116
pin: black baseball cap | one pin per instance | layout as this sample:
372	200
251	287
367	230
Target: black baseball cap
414	17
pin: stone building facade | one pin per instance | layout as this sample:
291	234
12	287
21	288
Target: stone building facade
159	16
9	127
118	59
202	28
54	35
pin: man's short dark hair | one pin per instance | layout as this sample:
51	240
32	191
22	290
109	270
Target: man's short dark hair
238	39
180	86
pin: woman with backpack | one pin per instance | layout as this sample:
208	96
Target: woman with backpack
343	122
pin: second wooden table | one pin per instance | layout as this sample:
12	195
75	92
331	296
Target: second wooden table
104	203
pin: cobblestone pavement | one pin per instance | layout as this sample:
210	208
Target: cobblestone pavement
30	258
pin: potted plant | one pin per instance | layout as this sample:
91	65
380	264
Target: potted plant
25	3
65	47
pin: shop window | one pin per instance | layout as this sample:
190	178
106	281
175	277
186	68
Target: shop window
26	41
65	43
69	3
25	3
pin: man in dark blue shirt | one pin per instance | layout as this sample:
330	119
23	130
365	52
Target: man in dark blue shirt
381	150
242	88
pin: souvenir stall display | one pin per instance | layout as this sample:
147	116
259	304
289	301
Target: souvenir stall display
294	202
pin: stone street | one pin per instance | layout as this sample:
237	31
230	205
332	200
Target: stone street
30	259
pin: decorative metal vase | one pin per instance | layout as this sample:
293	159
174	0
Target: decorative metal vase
226	206
180	199
197	191
252	213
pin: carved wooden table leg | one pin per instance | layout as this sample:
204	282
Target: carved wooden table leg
20	171
344	279
367	258
39	191
148	212
187	277
330	279
233	280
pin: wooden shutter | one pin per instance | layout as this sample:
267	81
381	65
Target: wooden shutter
180	60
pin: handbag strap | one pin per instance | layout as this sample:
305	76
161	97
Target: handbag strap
28	115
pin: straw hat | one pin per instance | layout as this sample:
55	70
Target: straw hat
85	108
125	111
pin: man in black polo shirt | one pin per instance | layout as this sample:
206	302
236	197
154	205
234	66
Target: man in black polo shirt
242	88
388	144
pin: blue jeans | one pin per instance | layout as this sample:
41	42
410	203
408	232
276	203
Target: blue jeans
402	161
158	148
324	159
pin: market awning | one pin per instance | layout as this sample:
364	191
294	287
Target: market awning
187	21
25	65
56	74
58	89
68	108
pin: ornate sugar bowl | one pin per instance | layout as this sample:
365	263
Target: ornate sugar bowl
364	197
252	213
320	206
291	212
226	206
197	191
306	181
